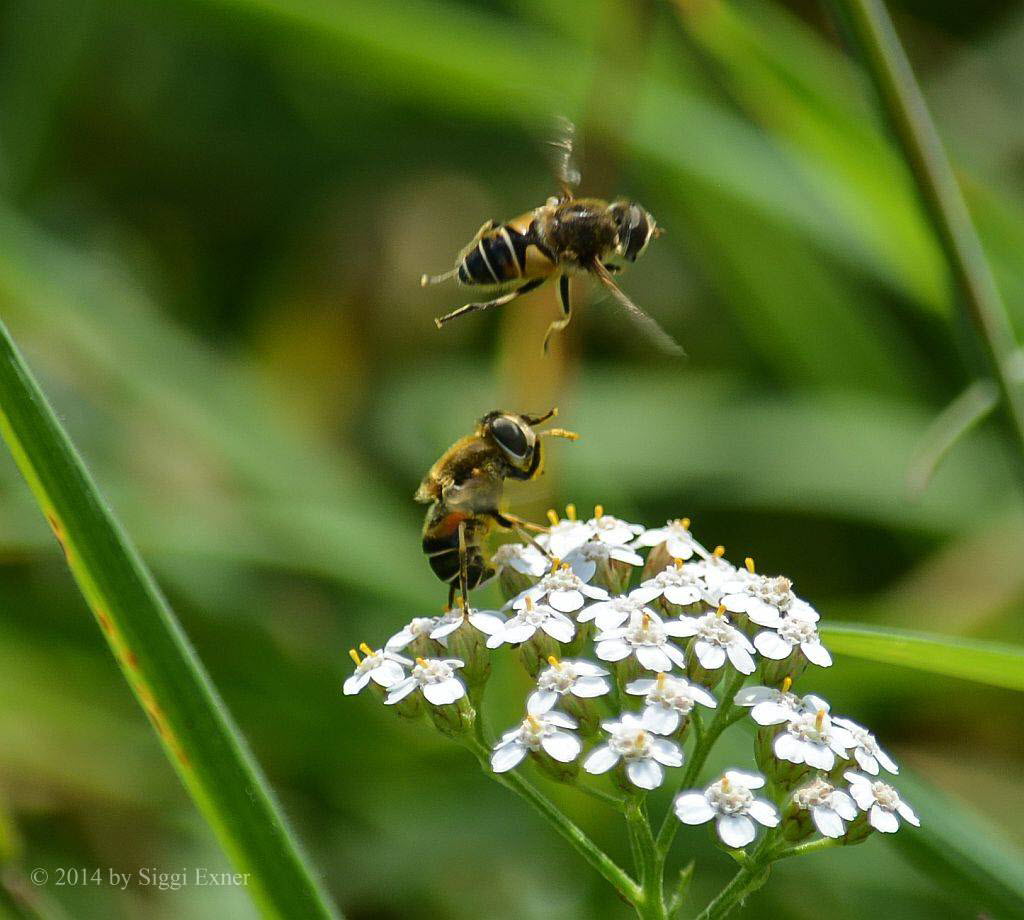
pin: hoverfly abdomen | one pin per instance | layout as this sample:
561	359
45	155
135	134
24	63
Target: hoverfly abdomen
441	547
499	257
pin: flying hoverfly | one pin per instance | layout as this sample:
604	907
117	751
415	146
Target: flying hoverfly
565	236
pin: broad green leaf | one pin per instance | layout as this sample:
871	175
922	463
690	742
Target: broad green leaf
994	663
164	673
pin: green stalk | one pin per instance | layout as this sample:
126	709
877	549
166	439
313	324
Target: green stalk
160	666
705	741
590	851
908	115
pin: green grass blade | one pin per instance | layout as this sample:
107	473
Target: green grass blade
963	851
194	727
993	663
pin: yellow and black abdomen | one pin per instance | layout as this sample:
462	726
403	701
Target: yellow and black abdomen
441	546
505	255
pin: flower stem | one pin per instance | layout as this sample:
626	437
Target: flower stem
682	886
586	847
744	882
904	104
702	748
651	868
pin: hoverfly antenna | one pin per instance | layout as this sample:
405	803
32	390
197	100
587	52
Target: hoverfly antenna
532	420
559	433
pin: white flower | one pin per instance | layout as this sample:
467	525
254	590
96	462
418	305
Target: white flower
716	571
435	678
488	622
580	678
524	558
383	667
416	628
881	802
764	598
586	559
678	584
564	536
811	738
644	753
675	535
545	732
793	632
612	530
731	803
771	706
562	589
715	639
865	748
528	620
668	699
647	638
613	613
829	807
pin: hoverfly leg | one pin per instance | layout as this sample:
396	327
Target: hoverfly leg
559	324
463	566
522	529
486	305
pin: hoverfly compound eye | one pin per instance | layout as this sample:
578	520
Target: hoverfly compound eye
510	437
634	226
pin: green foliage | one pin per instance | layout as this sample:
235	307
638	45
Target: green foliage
214	215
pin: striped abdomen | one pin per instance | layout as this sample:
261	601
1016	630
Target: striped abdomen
504	255
441	547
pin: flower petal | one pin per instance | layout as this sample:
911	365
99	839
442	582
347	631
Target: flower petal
735	830
816	653
444	692
562	746
662	720
763	812
601	759
540	701
400	691
827	821
883	821
646	773
741	659
355	683
387	674
710	656
653	658
772	645
560	629
693	808
507	756
588	687
613	649
565	600
665	752
908	814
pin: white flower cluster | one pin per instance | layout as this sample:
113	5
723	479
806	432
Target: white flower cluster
691	623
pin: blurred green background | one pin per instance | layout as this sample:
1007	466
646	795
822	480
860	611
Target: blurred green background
214	216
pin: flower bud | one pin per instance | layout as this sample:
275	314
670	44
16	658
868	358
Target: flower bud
453	719
857	831
797	824
658	559
536	651
512	583
773	673
584	712
469	644
700	675
558	771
